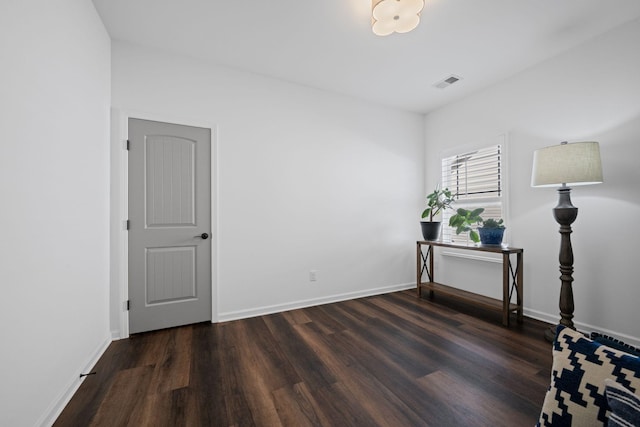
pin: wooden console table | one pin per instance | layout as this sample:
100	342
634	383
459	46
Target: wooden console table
511	279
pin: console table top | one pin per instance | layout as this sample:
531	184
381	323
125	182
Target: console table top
498	249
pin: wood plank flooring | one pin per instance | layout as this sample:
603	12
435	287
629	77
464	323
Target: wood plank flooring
388	360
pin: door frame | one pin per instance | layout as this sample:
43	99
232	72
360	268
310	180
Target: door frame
119	268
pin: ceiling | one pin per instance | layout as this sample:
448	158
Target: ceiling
329	45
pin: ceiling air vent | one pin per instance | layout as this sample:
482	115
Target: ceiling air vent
447	82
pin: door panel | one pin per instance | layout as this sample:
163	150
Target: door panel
170	166
170	274
169	209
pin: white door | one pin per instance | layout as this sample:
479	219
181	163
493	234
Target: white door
169	225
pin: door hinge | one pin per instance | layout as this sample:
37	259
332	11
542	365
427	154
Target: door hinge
127	145
126	225
128	305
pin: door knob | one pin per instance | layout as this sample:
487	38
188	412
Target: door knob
203	236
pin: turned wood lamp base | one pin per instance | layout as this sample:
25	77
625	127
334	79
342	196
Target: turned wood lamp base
565	214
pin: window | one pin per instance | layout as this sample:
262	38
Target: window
477	178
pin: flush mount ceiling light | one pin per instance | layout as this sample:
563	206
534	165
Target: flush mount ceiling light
399	16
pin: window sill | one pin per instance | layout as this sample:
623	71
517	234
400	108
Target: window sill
467	255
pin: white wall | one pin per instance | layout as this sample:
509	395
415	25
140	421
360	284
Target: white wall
54	168
307	180
589	93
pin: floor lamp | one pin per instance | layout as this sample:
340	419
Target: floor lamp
563	165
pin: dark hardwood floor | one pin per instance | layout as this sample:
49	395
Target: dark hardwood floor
388	360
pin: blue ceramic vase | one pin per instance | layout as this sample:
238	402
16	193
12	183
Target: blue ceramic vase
491	236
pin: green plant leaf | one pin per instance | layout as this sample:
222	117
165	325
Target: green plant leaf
455	221
474	236
492	223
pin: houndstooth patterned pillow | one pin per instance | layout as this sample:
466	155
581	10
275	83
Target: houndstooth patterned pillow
576	396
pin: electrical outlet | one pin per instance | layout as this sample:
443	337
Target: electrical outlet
313	275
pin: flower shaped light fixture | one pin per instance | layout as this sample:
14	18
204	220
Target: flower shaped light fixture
399	16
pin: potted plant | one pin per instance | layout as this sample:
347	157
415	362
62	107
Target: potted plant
491	231
437	202
463	220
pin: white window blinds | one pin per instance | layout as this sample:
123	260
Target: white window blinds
476	177
475	174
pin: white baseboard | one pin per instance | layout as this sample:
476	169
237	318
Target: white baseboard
534	314
55	409
261	311
583	327
539	315
628	339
